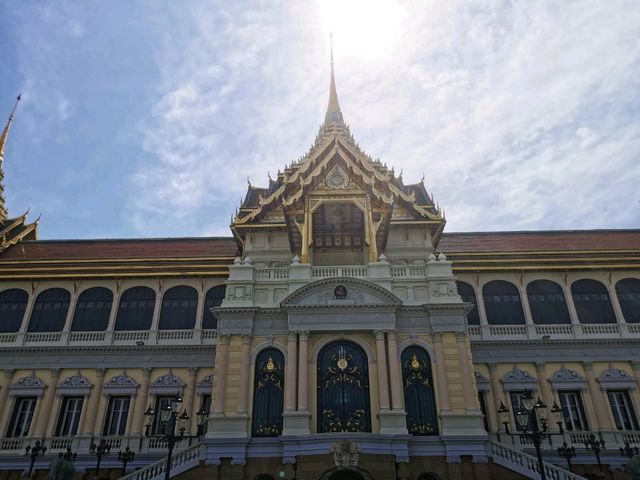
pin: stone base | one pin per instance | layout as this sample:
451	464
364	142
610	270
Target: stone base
228	426
296	423
467	424
393	422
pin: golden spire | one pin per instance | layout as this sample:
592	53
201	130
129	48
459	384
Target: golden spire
333	115
3	141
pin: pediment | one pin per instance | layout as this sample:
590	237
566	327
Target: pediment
341	292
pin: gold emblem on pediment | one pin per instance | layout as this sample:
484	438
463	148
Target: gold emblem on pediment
415	364
270	366
337	179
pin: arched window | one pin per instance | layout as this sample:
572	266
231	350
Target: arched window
50	311
468	294
135	311
13	303
343	389
547	302
592	302
92	310
628	291
419	397
502	303
214	298
179	306
268	394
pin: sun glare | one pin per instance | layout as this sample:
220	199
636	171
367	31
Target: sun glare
368	29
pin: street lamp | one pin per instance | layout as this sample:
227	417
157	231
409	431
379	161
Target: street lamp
125	457
69	455
531	418
171	424
629	451
100	451
595	445
567	452
35	451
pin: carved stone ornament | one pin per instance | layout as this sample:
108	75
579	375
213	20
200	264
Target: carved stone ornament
518	379
337	179
482	382
567	379
345	453
615	378
166	384
30	385
121	384
205	385
74	385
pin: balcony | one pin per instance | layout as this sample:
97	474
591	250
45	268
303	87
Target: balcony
554	332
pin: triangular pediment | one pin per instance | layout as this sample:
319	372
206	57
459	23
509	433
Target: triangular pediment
341	292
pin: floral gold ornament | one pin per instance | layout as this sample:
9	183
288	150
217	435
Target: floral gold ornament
270	367
415	364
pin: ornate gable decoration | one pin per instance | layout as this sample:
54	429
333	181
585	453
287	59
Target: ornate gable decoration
205	385
167	384
337	179
121	384
28	386
74	385
518	379
482	382
567	379
615	378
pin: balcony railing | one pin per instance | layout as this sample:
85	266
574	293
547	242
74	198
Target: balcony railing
553	332
128	337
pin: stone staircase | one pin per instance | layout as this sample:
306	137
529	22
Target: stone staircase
180	462
525	464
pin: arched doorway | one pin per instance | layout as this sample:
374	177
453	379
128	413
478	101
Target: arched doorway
343	389
346	475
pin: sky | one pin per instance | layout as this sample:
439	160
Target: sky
145	118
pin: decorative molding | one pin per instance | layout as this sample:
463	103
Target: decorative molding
205	385
28	386
482	382
518	379
567	379
615	378
121	384
166	384
74	385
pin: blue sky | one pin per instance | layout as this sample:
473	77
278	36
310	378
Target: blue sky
144	119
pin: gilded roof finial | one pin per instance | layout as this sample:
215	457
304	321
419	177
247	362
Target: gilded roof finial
3	141
333	115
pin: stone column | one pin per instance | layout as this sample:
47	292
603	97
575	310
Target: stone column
443	389
395	372
140	403
245	361
5	413
221	375
617	309
303	372
291	370
46	411
573	314
383	381
635	366
497	393
528	318
470	394
190	395
89	422
596	397
482	313
545	388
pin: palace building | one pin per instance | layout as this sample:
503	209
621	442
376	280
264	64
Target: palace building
338	333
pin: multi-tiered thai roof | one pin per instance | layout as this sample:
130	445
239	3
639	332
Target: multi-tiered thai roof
336	151
12	230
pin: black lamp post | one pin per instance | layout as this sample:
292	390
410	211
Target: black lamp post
567	452
34	452
532	422
171	426
125	457
100	451
69	455
595	445
629	451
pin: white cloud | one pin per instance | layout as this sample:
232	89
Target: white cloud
522	115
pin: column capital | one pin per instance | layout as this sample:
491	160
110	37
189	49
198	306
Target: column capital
224	339
304	335
540	366
379	334
246	339
292	336
55	372
437	337
9	372
100	372
588	365
461	337
391	334
193	371
635	365
493	367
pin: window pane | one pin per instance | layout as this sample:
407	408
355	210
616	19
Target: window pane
214	298
622	409
117	414
502	303
135	311
50	311
92	310
179	306
13	303
69	418
573	411
22	417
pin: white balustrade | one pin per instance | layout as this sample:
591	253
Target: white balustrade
180	462
44	337
279	273
356	271
408	271
80	337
